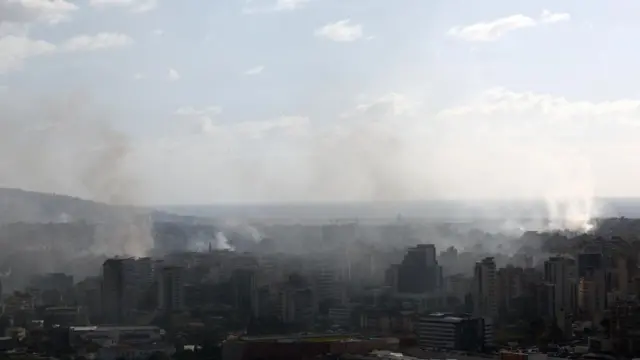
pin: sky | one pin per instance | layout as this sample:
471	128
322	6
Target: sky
203	102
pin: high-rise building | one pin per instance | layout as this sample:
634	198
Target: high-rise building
592	294
485	301
592	282
328	280
119	290
510	285
171	289
562	273
588	261
419	272
244	287
297	305
458	286
90	298
544	295
124	280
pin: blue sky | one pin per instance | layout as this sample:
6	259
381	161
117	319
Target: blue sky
293	100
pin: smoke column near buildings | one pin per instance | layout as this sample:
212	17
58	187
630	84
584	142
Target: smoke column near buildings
67	144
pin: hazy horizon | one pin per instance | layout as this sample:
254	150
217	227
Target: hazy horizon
289	101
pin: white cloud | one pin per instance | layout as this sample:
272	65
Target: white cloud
158	32
254	70
138	76
135	6
191	111
543	146
202	118
503	102
494	30
391	104
16	46
49	11
173	75
287	5
286	125
206	120
340	31
391	147
16	29
549	17
268	6
96	42
14	50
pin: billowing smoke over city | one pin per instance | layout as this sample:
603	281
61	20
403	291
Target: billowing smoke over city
271	179
71	145
67	145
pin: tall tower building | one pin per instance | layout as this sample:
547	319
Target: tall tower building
328	280
171	289
592	293
510	285
562	273
120	287
244	290
419	272
485	297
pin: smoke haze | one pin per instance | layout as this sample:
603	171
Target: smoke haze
385	150
383	114
66	144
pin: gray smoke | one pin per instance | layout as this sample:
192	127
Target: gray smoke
67	144
222	243
255	234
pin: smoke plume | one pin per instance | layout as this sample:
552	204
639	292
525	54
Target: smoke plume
67	144
222	243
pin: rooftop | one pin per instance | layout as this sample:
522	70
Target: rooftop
304	337
111	328
447	317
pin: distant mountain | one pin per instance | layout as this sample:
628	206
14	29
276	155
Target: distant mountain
34	207
470	210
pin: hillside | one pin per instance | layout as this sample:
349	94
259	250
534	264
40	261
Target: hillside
33	207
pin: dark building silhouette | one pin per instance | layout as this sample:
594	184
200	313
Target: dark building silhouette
419	272
589	261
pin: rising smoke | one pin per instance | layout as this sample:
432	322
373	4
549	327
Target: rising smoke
222	243
381	152
67	144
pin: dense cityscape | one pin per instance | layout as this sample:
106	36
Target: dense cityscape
338	289
319	180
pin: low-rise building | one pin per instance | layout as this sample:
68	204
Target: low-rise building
111	335
454	332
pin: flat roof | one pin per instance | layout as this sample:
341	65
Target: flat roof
446	317
302	337
112	328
